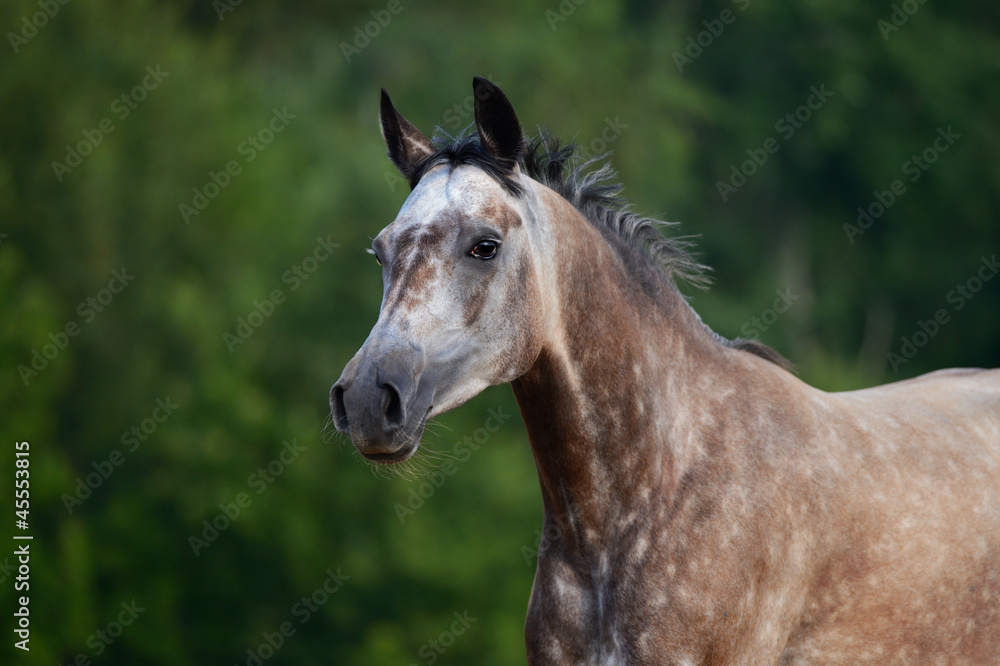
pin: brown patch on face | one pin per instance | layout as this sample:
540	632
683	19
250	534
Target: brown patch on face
415	247
405	239
502	215
475	301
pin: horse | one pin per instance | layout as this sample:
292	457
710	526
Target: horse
702	504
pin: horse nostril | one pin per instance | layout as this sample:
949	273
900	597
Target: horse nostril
393	406
339	411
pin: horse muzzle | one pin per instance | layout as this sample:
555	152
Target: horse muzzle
378	403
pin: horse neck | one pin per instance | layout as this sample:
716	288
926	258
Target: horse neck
608	401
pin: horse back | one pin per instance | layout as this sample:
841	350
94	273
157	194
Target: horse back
910	473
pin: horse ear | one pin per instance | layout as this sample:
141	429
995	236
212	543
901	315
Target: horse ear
499	131
407	145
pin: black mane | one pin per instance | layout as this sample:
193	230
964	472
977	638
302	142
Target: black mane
590	185
467	150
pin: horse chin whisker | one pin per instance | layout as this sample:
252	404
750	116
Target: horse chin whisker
412	469
340	439
433	428
374	468
432	454
438	424
328	434
419	466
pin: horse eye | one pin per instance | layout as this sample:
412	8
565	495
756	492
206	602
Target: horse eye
486	249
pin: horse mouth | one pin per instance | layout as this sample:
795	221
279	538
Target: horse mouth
397	456
412	443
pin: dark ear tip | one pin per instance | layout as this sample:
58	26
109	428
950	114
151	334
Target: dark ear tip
387	115
480	82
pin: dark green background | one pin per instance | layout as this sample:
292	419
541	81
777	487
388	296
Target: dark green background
325	175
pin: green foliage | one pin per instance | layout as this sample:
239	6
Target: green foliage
323	180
